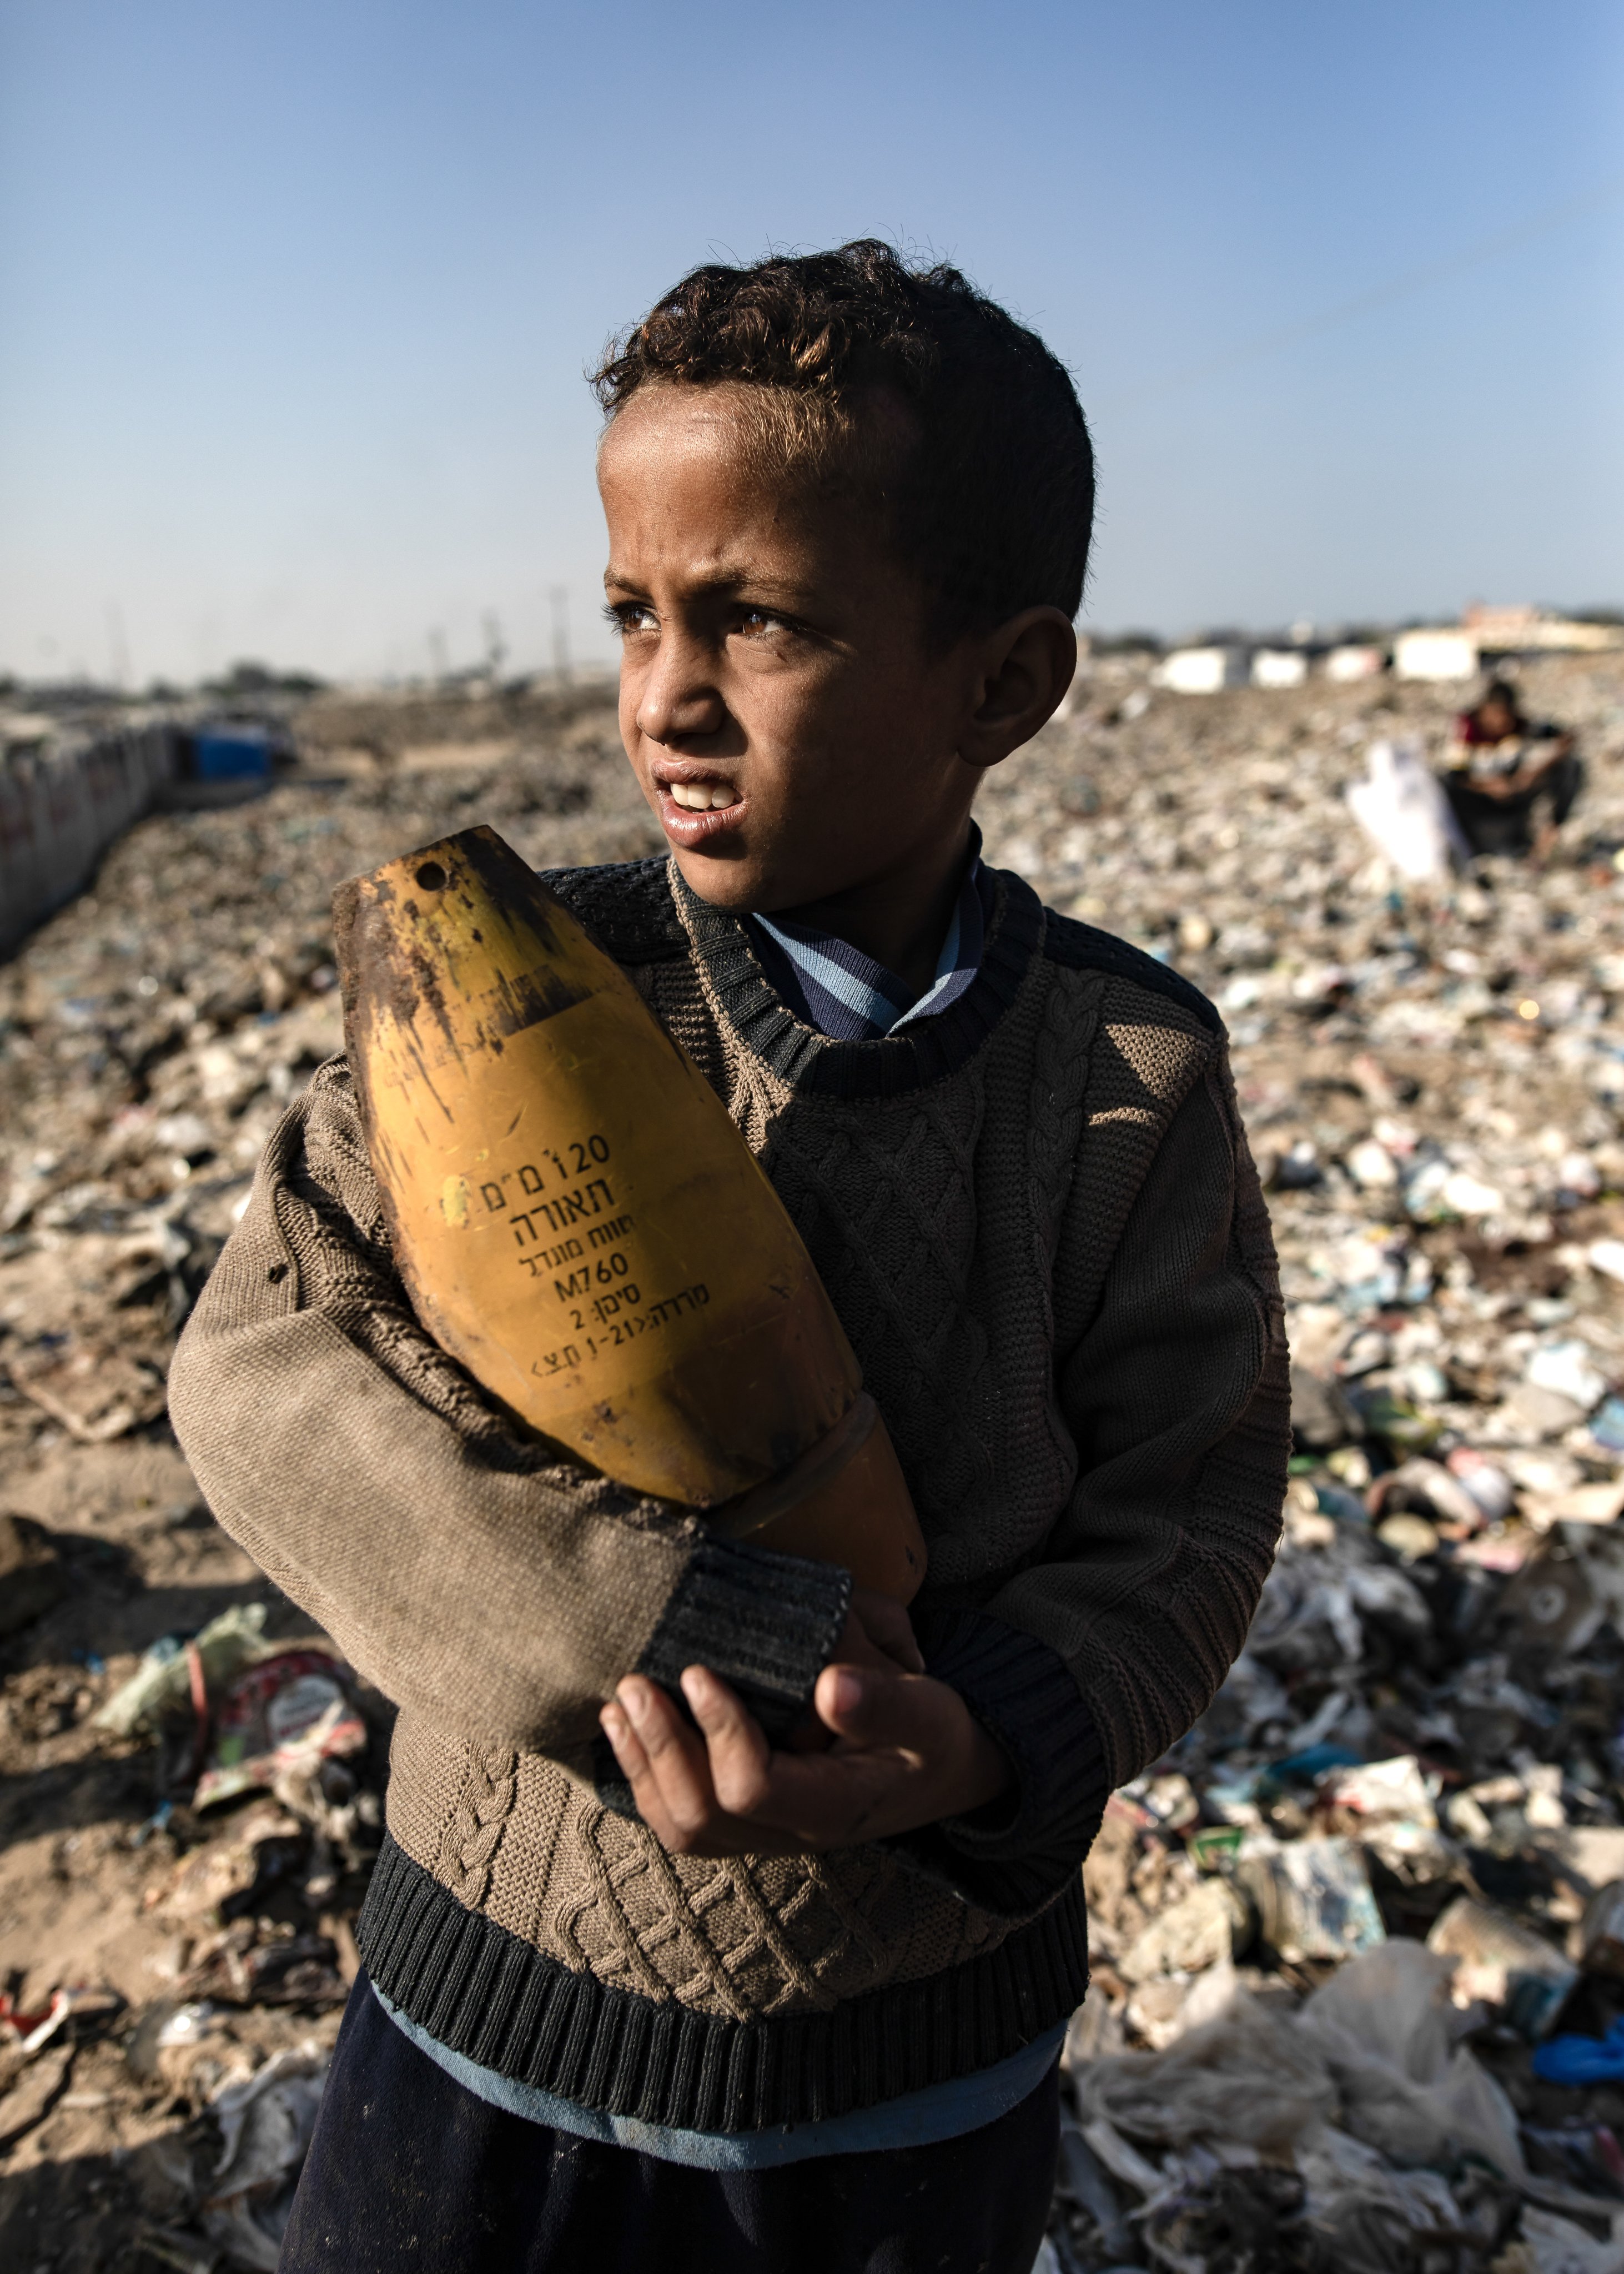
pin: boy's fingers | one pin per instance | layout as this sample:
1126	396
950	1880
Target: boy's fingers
834	1800
679	1770
636	1768
923	1724
624	1745
740	1758
888	1626
892	1711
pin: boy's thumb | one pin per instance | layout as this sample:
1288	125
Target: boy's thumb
870	1708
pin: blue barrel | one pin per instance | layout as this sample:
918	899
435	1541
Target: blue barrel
230	753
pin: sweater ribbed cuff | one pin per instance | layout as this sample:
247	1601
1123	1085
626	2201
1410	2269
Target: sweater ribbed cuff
1013	1855
766	1624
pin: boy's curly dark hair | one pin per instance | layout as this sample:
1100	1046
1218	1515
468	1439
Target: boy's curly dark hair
991	502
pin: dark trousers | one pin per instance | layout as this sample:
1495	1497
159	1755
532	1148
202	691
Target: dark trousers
1505	824
408	2170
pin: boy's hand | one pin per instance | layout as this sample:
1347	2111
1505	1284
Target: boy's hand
899	1750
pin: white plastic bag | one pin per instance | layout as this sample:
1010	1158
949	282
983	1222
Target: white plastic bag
1247	2075
1402	806
1384	2025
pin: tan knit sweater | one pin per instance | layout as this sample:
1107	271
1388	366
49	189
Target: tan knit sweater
1037	1218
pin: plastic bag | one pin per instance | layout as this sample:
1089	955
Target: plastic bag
1402	806
1551	2244
164	1677
1583	2060
265	2122
288	1712
1385	2027
1247	2075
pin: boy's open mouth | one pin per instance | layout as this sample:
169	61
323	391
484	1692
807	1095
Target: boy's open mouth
696	804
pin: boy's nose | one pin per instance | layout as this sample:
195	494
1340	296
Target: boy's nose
678	698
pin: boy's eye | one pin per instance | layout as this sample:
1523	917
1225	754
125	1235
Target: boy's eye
626	616
763	620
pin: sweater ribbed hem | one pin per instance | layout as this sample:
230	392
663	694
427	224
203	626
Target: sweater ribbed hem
1018	1854
501	2002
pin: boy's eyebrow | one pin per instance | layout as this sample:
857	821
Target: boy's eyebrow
721	580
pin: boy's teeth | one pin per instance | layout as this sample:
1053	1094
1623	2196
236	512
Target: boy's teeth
699	797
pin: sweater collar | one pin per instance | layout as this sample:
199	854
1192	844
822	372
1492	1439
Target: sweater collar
832	986
925	1049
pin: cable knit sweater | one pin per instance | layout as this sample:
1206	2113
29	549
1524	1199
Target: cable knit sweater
1037	1218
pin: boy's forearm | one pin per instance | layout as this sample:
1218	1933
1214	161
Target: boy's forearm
462	1570
1179	1398
1091	1661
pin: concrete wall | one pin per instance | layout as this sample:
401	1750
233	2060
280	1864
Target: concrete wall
61	803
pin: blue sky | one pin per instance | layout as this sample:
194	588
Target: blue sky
297	299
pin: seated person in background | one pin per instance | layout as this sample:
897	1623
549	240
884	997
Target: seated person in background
1501	767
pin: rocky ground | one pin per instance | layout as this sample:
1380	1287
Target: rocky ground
1421	1745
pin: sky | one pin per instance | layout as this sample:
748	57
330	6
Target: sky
296	299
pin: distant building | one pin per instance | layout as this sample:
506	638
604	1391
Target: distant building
1485	634
1535	631
1201	670
1345	664
1280	667
1435	654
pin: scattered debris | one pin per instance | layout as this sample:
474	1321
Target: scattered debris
265	2125
278	1722
174	1670
1354	1916
1504	1964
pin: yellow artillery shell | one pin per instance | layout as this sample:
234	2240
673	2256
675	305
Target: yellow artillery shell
581	1225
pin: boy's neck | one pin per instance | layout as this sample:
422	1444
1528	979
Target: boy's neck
900	919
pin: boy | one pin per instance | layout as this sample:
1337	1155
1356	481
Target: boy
1502	768
726	1920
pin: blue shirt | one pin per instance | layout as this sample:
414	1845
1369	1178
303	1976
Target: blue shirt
848	996
941	2111
844	994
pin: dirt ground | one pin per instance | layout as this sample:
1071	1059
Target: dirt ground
151	1032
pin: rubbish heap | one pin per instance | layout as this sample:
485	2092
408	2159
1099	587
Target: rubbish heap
1357	1939
190	1778
1358	1995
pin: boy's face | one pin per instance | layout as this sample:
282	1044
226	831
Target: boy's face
778	703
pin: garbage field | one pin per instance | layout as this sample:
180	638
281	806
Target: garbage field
1358	1940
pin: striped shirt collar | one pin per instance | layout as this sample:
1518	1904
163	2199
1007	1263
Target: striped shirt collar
844	994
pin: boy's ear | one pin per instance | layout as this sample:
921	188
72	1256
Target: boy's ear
1021	671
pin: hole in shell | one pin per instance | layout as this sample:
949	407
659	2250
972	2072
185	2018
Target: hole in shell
432	877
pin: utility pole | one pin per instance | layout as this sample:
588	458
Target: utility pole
118	647
559	599
495	647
